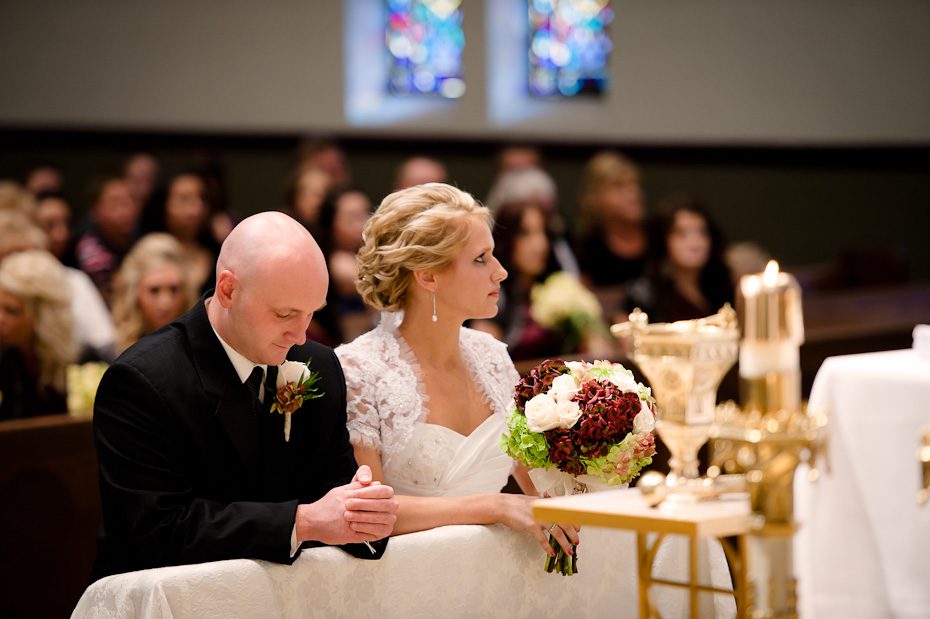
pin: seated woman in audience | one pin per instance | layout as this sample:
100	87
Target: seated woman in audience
93	330
427	398
686	276
151	288
343	216
113	228
534	184
613	240
36	340
523	235
305	195
326	155
181	209
141	171
53	216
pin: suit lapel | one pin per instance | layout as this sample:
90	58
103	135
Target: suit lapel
219	379
241	425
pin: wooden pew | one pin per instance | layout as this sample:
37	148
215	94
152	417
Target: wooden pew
858	321
49	514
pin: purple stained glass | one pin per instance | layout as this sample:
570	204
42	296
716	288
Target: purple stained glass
424	43
568	47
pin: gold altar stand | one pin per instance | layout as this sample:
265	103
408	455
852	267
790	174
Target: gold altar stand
626	509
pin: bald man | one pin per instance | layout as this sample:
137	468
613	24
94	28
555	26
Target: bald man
194	466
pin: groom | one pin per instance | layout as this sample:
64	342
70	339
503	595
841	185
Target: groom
194	466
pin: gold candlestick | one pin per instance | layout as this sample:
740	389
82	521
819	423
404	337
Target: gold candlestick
769	312
771	433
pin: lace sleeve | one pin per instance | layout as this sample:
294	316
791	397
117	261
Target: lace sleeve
363	420
509	376
495	369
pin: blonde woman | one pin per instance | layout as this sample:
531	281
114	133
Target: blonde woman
151	288
612	241
93	328
36	339
427	398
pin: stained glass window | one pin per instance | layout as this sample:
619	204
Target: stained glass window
425	41
569	46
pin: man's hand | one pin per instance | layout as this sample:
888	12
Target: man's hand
361	511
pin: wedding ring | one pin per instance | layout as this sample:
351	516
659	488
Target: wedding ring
552	527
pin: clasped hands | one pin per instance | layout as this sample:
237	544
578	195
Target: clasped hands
363	510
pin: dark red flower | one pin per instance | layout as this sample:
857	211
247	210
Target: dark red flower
606	418
539	380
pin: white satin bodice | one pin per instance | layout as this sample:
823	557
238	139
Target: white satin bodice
438	461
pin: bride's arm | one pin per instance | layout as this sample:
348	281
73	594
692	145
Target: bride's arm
522	475
416	513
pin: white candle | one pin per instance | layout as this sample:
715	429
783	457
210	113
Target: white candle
769	307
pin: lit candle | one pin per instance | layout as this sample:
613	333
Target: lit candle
769	309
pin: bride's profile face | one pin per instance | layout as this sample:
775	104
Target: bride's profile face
470	287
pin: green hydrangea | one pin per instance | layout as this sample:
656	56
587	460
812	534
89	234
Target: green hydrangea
606	467
523	445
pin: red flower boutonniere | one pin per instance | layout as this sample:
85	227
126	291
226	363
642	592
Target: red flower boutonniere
296	384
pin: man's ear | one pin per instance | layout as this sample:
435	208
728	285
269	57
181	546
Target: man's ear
226	286
425	280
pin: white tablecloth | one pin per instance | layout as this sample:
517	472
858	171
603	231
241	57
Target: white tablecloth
864	545
454	571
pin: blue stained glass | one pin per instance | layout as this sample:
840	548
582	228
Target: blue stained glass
424	41
568	47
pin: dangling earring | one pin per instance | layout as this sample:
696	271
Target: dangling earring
434	308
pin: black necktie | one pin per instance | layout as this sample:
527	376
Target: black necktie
271	386
253	384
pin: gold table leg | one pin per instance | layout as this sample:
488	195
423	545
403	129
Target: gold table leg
736	557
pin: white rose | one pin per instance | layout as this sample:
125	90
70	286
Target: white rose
563	388
644	421
291	372
623	379
568	412
542	413
577	368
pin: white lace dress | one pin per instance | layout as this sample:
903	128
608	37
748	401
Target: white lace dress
387	409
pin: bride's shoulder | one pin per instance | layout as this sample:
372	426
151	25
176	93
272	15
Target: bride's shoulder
482	338
368	346
484	343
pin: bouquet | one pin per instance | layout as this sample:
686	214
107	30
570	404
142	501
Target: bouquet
562	304
582	424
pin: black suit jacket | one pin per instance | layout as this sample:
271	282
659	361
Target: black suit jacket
189	473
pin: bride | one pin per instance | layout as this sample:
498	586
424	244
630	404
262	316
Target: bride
427	398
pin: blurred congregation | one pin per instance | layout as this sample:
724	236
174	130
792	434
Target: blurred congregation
87	271
132	143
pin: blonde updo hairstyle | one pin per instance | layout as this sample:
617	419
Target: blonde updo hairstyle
39	281
421	228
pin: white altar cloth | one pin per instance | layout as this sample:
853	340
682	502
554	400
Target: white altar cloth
453	571
863	549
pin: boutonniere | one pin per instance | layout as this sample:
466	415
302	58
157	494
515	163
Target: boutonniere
296	384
